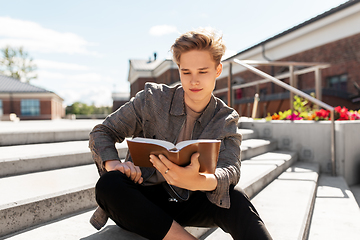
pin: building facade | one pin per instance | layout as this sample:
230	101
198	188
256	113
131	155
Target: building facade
28	102
158	71
332	37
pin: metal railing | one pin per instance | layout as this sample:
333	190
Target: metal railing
302	94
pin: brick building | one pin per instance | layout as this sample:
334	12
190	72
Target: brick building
119	99
332	37
28	102
159	71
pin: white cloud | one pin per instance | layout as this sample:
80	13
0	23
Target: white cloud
34	37
72	79
161	30
47	64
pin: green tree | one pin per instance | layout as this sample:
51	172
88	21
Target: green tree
79	108
16	63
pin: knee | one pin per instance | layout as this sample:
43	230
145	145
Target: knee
108	181
238	197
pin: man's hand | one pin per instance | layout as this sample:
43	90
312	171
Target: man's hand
185	177
128	168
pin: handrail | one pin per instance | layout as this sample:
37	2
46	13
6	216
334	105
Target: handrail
304	95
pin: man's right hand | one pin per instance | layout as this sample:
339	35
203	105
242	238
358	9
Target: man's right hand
128	168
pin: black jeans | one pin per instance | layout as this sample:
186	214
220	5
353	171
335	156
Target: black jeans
147	211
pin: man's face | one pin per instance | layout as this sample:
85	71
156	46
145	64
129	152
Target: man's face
198	74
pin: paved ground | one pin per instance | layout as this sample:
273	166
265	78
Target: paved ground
46	125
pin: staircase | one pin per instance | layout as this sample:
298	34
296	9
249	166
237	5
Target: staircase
47	180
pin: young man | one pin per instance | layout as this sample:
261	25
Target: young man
157	202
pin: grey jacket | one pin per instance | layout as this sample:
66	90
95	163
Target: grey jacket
159	112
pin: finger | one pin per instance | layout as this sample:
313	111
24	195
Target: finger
120	168
195	159
133	171
127	170
158	164
138	174
166	162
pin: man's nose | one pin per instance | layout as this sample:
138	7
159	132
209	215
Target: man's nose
194	80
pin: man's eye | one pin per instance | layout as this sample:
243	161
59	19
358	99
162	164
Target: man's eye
202	72
185	73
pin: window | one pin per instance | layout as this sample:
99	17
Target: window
1	108
338	82
30	107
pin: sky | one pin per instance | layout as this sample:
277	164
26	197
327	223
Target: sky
82	48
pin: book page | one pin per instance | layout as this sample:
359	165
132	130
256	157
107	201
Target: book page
165	144
183	144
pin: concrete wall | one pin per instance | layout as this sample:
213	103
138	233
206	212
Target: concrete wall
312	141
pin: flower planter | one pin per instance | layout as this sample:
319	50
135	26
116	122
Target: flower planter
312	141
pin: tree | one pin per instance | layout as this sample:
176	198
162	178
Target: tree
79	108
16	63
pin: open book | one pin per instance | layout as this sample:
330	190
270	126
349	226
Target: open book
180	154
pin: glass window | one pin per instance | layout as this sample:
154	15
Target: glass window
338	82
30	107
1	108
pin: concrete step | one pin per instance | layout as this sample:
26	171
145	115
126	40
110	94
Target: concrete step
254	147
247	133
21	159
259	171
35	198
336	212
285	205
30	132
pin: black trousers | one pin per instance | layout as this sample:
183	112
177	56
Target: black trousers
147	211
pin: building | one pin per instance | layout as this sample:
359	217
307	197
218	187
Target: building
332	37
159	71
119	99
28	102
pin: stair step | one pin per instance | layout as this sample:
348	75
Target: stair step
247	133
30	132
29	158
35	198
252	181
259	171
22	159
254	147
285	205
336	212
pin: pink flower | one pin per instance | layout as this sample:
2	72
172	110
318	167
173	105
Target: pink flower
294	116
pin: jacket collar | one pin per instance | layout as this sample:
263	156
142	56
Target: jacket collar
178	107
178	103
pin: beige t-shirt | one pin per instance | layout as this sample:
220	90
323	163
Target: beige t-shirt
185	134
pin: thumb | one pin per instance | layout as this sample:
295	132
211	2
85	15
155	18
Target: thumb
195	160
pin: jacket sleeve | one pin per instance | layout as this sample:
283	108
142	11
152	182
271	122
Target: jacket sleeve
124	122
229	162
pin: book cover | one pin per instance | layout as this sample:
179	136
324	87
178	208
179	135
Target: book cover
180	154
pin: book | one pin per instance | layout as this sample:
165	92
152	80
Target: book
141	148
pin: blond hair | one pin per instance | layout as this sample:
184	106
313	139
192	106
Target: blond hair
200	39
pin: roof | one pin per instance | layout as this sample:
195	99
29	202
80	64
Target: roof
145	65
314	19
9	85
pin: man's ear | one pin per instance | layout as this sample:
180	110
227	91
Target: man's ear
219	69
